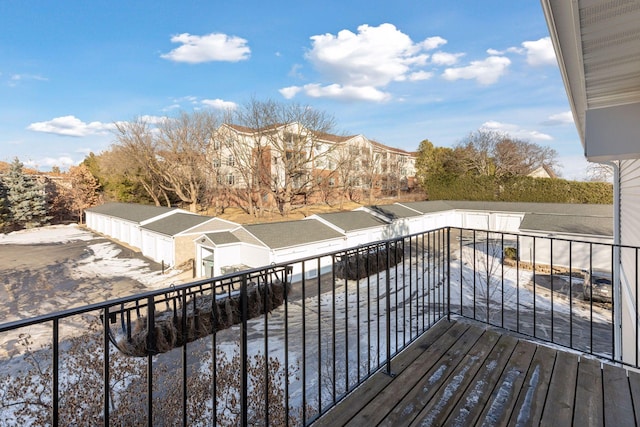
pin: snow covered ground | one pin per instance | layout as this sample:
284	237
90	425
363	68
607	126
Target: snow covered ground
54	268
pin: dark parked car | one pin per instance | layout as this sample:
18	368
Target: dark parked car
597	286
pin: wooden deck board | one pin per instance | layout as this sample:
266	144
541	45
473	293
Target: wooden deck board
465	373
528	408
588	409
618	407
634	387
558	408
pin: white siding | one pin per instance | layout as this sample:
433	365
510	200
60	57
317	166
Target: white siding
476	220
507	223
148	245
164	248
629	235
580	252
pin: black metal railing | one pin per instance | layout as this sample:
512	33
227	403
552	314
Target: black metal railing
282	345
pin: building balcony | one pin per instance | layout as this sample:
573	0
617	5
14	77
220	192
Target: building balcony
449	326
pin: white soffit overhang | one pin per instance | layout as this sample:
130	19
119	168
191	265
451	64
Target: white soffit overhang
597	44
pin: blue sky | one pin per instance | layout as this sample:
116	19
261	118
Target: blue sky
397	72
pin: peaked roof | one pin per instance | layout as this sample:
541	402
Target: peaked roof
354	220
131	211
573	224
176	223
394	211
222	238
278	235
324	136
428	206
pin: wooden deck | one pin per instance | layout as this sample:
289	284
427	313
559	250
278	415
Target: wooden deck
463	373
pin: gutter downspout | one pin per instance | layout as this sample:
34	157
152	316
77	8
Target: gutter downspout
616	267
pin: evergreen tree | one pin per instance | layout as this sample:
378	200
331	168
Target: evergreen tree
26	198
4	206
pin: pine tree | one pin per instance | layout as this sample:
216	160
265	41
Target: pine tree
4	206
26	198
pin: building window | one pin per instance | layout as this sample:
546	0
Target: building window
332	182
216	144
231	161
216	163
231	179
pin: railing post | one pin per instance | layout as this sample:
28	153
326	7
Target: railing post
244	408
449	273
151	350
106	380
388	306
55	371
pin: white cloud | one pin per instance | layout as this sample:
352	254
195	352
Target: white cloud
63	162
207	48
375	56
496	52
71	126
154	120
336	91
358	65
220	104
171	107
420	75
290	92
433	43
485	72
564	118
515	131
15	79
540	52
444	58
295	71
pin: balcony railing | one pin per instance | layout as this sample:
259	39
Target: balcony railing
282	345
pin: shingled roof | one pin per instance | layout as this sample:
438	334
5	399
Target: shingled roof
572	224
277	235
354	220
176	223
222	238
131	211
395	211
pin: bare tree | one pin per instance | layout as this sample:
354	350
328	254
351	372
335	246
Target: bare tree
491	153
181	158
349	169
517	157
371	162
133	157
169	159
599	172
84	190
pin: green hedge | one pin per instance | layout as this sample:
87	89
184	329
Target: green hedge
517	189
